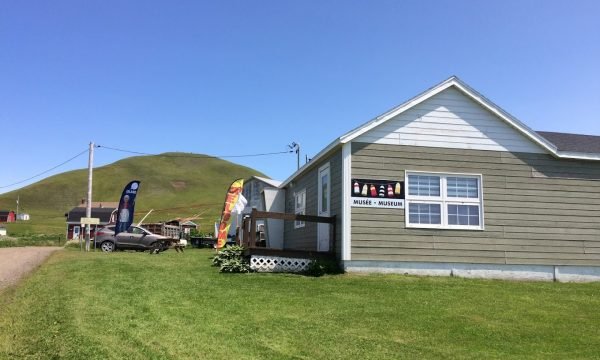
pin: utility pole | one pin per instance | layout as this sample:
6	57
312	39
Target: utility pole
88	210
17	218
295	146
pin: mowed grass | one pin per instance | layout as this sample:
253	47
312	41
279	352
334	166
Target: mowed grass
176	306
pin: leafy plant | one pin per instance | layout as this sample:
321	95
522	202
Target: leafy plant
231	259
198	233
235	266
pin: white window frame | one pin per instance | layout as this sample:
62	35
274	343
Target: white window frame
443	200
299	210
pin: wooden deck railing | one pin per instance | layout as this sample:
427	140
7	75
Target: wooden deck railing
248	229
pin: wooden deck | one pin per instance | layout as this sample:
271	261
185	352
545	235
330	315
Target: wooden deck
253	247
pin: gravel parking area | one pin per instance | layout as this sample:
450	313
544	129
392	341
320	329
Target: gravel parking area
18	261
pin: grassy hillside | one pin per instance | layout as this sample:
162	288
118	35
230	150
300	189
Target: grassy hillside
173	184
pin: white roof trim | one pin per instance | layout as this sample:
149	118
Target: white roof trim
471	93
273	183
577	155
313	161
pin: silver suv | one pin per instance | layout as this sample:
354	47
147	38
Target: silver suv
135	238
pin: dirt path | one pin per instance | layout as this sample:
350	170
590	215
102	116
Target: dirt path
18	261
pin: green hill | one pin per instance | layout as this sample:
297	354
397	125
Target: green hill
173	184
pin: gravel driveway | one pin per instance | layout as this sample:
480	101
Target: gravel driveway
18	261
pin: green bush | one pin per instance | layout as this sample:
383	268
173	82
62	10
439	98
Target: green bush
320	267
235	266
231	259
198	233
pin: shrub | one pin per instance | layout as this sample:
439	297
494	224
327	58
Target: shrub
231	260
320	267
235	266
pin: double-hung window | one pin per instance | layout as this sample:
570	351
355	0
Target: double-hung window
447	201
299	207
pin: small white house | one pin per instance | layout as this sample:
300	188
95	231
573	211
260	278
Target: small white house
23	217
259	191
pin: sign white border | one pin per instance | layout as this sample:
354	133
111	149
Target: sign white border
370	202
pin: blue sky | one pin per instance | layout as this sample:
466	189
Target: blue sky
246	77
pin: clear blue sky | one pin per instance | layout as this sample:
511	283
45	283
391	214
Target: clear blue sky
244	77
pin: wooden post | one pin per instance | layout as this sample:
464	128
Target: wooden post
246	232
253	228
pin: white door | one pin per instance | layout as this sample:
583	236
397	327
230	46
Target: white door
324	193
76	230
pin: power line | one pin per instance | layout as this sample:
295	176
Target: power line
195	155
47	171
142	153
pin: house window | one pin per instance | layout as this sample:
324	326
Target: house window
300	207
446	201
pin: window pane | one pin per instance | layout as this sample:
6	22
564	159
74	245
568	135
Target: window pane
462	187
463	215
423	185
424	213
324	193
300	202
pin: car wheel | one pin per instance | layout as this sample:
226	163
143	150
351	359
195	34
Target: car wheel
107	246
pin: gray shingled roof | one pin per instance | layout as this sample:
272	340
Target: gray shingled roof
77	213
573	142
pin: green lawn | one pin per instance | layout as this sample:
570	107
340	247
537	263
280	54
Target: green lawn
175	306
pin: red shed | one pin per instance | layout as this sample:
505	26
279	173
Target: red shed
7	216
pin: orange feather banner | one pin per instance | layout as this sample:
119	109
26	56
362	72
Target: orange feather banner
233	194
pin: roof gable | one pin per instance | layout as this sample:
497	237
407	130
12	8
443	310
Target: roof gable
467	91
450	119
476	97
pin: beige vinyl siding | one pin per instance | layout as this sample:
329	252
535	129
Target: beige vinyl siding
450	119
306	238
537	209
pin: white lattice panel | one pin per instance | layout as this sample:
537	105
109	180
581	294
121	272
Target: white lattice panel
263	263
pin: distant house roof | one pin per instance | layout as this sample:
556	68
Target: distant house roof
573	142
182	221
188	223
5	212
100	204
103	214
273	183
